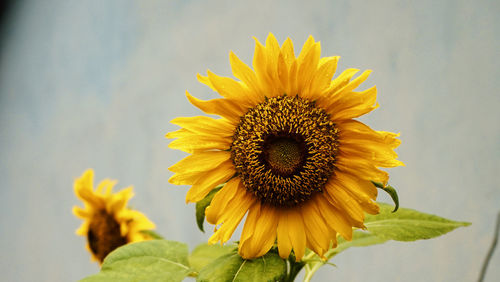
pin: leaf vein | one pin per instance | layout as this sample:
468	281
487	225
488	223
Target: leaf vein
145	256
237	272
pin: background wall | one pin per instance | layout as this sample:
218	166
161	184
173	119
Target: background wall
95	84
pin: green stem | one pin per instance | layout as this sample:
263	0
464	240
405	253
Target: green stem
491	250
311	268
295	268
310	273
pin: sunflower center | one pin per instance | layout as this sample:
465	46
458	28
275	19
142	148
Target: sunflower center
284	155
104	235
284	150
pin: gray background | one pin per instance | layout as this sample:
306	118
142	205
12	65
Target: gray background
95	84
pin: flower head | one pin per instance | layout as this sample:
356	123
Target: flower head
108	223
288	149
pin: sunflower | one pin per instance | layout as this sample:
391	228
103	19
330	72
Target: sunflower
108	223
288	149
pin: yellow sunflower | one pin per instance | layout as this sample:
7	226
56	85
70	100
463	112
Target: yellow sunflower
108	223
287	148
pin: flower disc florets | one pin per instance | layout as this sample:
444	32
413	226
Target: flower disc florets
104	235
284	150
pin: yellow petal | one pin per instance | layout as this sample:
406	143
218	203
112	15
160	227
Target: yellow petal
292	80
205	80
355	83
84	191
305	49
367	149
334	217
272	46
297	233
105	186
229	88
81	213
329	98
284	243
214	177
227	229
287	51
307	69
120	200
355	188
232	216
85	182
272	54
250	223
379	157
87	178
342	80
83	229
344	202
180	133
202	143
352	129
260	63
265	232
283	73
222	107
323	76
263	236
317	231
220	201
205	125
367	187
124	229
358	141
136	237
141	221
340	90
353	104
247	76
186	178
201	161
363	168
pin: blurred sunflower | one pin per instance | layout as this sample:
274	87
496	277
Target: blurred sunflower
289	149
108	223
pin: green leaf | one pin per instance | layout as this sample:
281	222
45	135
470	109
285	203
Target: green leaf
204	254
152	234
231	267
408	224
202	205
359	239
391	191
154	260
403	225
